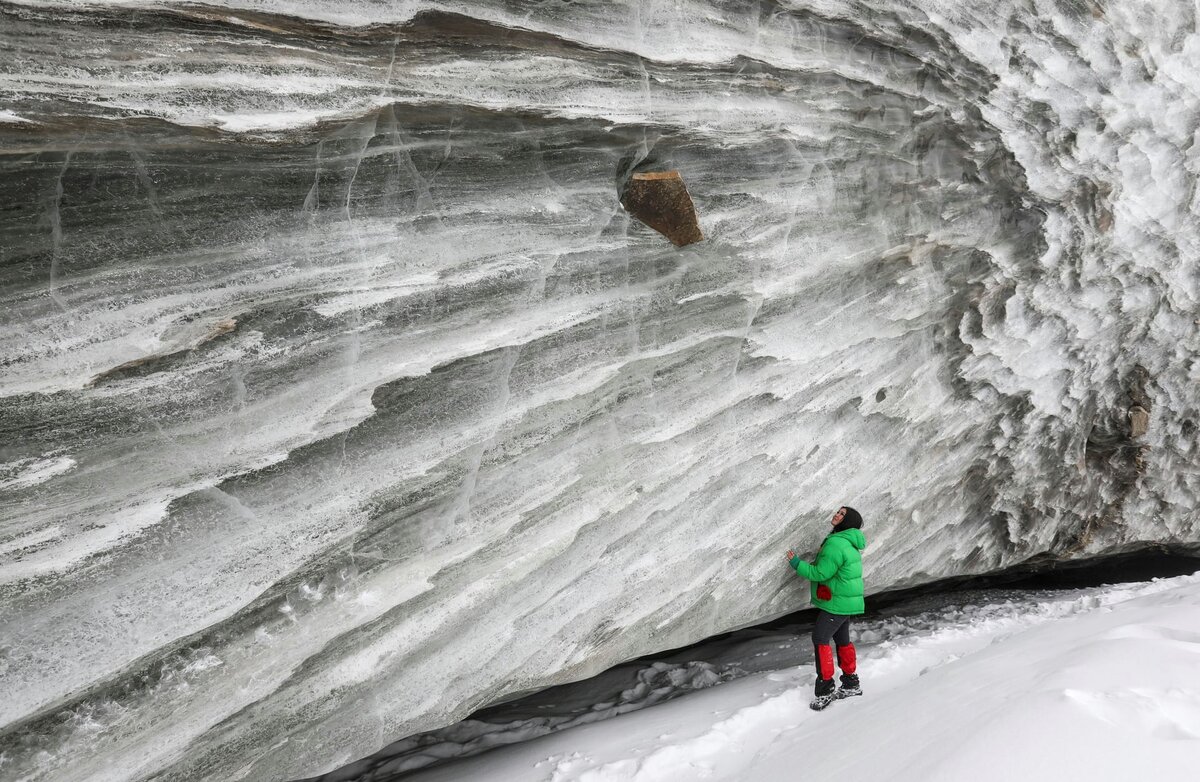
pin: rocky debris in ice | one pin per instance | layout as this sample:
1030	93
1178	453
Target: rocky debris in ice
660	200
1139	421
150	363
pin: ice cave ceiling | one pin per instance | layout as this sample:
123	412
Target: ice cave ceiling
339	394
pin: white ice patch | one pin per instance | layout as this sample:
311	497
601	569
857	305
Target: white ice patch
370	295
30	540
29	472
271	121
11	117
69	550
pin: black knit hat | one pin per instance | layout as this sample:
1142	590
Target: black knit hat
852	519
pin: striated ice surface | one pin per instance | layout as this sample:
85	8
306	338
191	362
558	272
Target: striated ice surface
341	398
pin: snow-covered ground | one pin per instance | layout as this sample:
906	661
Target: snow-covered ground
1098	684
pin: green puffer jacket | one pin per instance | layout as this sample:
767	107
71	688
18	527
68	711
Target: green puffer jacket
838	569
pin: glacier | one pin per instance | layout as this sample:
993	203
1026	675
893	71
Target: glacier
340	396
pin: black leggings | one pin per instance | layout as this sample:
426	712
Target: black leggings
831	627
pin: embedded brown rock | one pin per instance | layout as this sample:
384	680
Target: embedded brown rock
660	200
1139	421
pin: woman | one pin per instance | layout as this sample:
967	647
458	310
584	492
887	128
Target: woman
837	590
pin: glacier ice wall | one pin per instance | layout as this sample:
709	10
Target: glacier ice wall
340	397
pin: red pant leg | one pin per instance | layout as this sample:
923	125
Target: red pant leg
824	661
846	659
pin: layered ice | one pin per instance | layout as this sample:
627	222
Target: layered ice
341	398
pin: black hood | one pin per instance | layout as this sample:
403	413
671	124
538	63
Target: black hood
852	520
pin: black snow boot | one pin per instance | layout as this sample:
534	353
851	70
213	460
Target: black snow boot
823	694
849	686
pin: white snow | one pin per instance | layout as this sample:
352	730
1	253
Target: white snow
1097	684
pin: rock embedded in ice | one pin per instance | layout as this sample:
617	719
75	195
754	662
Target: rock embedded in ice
660	200
1139	421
